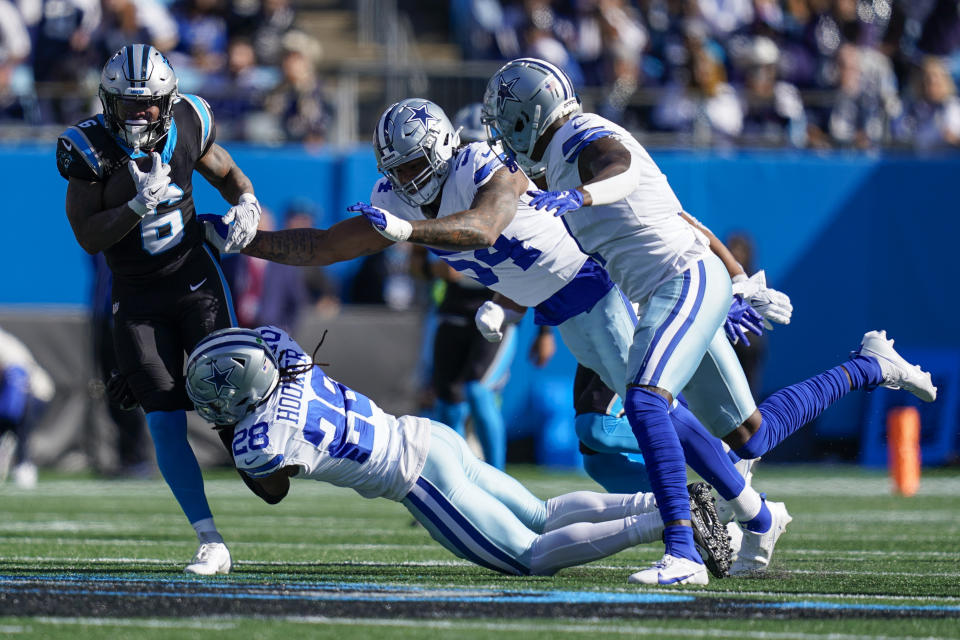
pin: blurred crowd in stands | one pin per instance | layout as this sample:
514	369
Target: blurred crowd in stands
802	73
797	73
244	56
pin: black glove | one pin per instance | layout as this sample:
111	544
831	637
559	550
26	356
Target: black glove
119	393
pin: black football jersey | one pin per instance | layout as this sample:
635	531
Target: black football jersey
463	299
161	243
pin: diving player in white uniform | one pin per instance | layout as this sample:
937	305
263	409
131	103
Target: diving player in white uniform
289	419
617	204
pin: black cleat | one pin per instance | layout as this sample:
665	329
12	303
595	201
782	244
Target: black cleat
709	533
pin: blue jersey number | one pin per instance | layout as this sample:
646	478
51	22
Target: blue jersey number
352	434
161	231
252	439
503	249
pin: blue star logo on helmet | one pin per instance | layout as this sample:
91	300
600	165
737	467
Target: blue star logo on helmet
220	380
422	115
505	92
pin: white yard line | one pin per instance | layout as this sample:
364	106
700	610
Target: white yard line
573	627
148	623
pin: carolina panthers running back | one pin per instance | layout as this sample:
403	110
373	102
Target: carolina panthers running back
168	289
95	148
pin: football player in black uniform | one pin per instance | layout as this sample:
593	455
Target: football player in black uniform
468	370
168	289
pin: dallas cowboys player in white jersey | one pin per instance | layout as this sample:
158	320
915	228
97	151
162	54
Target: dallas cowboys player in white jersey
288	418
618	205
526	256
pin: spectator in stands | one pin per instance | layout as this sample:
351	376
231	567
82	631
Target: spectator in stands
273	25
608	43
725	17
700	103
298	104
25	388
202	48
14	50
63	59
932	120
476	25
773	112
238	92
126	21
862	104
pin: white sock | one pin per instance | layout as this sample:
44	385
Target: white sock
207	531
588	506
747	505
588	541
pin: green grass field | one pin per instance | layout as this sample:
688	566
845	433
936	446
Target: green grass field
851	544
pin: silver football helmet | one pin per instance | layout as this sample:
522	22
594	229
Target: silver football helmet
135	77
409	130
522	100
468	122
229	374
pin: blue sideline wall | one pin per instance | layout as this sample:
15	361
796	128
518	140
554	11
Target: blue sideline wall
859	242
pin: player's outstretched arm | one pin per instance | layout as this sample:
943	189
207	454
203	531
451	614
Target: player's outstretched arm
478	227
345	240
219	169
275	487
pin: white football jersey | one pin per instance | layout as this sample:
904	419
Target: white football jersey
641	240
533	258
333	433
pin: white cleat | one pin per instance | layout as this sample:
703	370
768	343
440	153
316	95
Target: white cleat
25	475
897	372
671	570
211	558
757	548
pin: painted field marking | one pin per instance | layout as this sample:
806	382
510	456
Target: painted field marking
573	627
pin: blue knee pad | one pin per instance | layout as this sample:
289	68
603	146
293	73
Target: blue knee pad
177	462
617	472
605	433
488	422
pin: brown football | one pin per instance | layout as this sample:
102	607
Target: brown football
119	187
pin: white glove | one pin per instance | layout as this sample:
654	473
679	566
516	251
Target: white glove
773	305
490	319
242	221
151	186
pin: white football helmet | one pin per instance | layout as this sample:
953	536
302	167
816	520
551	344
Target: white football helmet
411	129
229	374
135	76
522	100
